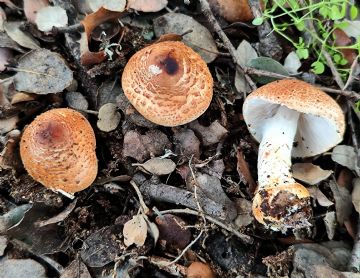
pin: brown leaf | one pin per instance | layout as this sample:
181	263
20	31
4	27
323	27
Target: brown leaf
158	166
319	196
355	195
243	170
135	231
343	203
90	22
309	173
76	269
342	39
209	134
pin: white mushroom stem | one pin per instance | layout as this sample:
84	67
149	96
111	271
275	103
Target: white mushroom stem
274	160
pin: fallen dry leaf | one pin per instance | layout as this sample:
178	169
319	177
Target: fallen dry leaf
319	196
22	97
310	173
330	224
5	56
76	100
135	231
42	72
12	28
49	17
355	195
343	203
186	143
158	166
2	19
22	268
147	5
342	39
90	22
31	8
59	217
243	170
174	232
211	134
244	212
200	39
345	156
76	269
108	117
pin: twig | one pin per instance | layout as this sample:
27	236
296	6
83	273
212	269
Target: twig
217	28
349	94
259	72
78	27
244	238
141	199
351	74
354	264
333	69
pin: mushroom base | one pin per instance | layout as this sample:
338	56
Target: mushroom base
283	207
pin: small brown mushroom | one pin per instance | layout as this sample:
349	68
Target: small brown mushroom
288	118
199	270
168	83
232	10
58	150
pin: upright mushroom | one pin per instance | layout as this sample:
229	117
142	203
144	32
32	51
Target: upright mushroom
288	118
58	150
168	83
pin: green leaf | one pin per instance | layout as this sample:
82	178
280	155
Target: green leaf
353	12
357	106
268	64
324	11
302	53
341	24
300	25
257	21
337	58
343	62
318	67
335	13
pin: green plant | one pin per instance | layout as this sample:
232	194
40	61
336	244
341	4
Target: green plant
317	22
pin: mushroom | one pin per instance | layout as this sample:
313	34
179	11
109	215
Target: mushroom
199	270
58	150
232	10
168	83
288	118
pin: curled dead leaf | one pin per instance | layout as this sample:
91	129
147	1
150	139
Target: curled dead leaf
310	173
158	166
135	231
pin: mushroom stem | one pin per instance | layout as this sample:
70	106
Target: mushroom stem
274	160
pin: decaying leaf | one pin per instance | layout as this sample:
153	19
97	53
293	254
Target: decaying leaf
2	19
9	158
140	147
42	72
355	195
330	224
3	245
268	64
200	39
244	53
135	231
31	8
186	142
8	124
60	217
292	63
5	56
101	247
244	212
243	170
76	100
316	193
158	166
310	173
51	16
108	92
109	117
174	232
22	97
22	268
76	269
343	203
12	28
147	5
345	156
90	22
211	134
7	42
13	217
342	39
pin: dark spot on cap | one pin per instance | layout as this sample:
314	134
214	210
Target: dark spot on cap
170	65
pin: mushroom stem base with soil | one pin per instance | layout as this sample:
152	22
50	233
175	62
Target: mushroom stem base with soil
280	201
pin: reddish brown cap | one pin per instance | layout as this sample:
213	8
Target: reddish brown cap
58	150
232	10
168	83
199	270
321	123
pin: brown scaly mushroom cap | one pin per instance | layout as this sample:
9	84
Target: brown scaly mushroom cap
232	10
288	118
168	83
58	150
